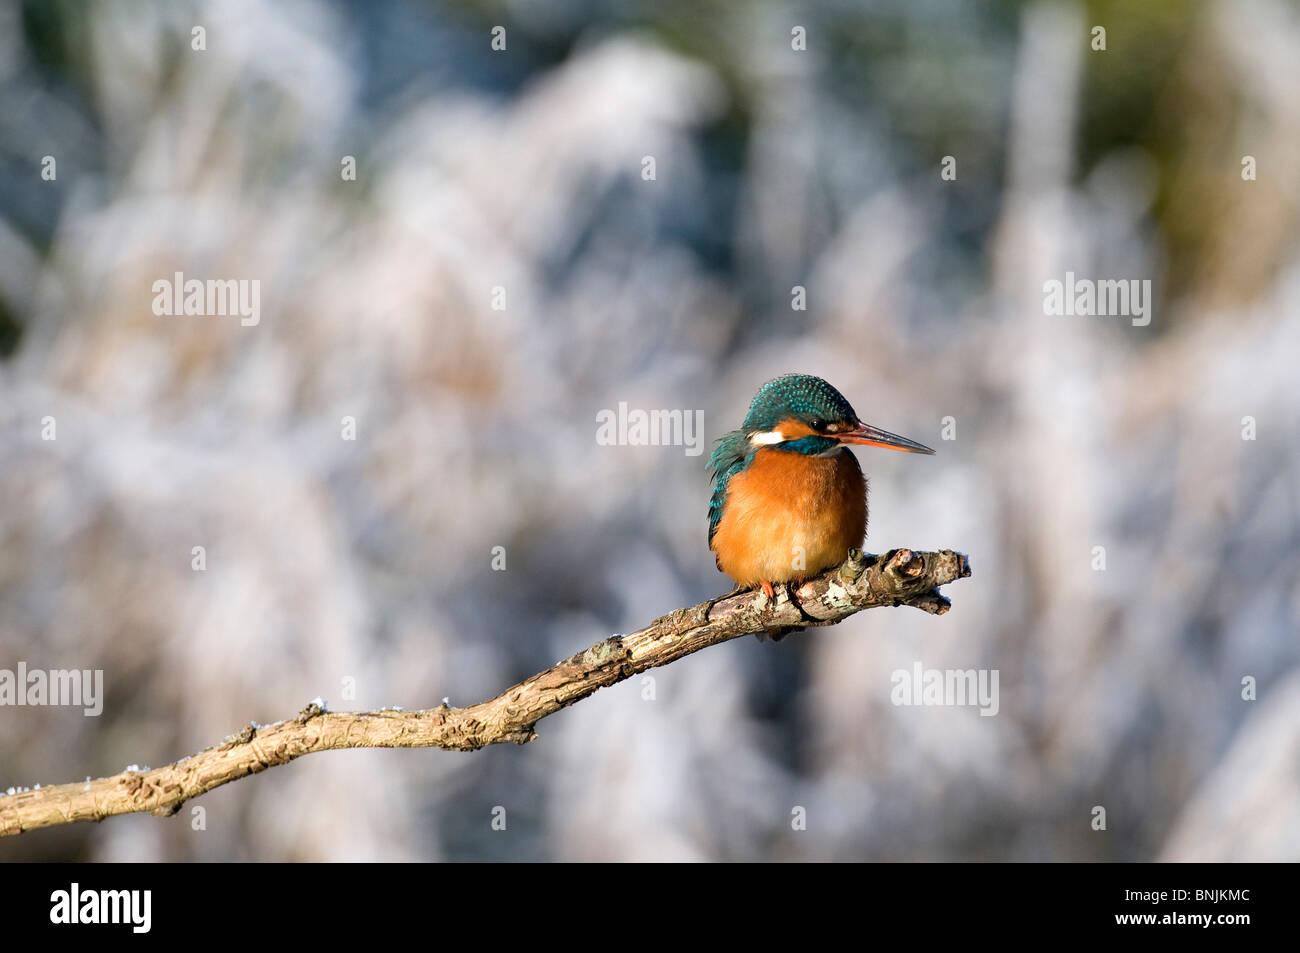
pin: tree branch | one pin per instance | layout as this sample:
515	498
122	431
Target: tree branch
900	577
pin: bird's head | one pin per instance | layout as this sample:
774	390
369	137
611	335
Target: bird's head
804	414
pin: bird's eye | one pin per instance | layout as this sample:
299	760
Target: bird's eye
817	424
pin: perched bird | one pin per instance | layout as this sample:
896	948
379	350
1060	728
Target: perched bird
789	499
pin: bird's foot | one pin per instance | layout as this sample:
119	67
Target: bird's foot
790	589
706	607
777	634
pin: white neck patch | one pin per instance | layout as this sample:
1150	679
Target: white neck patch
768	437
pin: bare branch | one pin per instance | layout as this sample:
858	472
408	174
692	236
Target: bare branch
900	577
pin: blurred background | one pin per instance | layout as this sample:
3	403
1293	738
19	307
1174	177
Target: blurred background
502	268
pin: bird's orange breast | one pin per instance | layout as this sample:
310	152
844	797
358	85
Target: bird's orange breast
789	516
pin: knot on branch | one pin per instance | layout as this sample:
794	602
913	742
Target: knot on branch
602	653
852	568
314	709
243	737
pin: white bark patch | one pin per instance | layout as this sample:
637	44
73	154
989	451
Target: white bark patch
837	596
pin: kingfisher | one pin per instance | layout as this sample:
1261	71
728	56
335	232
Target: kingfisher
789	499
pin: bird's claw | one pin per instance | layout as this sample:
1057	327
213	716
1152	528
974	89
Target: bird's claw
707	607
790	589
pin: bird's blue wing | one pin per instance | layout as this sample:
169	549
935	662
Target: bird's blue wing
729	457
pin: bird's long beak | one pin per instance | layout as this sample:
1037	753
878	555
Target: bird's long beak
870	436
